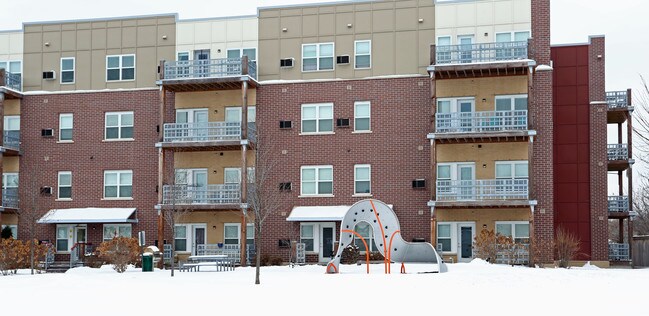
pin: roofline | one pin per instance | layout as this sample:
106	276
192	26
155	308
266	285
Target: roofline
590	41
11	31
175	15
220	18
315	4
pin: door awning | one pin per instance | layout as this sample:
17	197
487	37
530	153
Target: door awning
319	213
89	215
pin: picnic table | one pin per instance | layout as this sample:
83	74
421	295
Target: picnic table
221	262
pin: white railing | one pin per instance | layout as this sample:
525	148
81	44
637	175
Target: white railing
618	252
12	81
478	122
618	203
11	139
10	198
479	190
232	251
479	53
617	99
209	68
513	254
202	132
182	194
618	152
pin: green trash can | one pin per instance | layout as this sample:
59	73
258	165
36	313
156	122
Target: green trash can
147	262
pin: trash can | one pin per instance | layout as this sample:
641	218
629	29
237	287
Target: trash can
147	262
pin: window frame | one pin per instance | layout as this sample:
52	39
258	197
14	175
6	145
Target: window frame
14	230
368	117
369	180
317	56
118	226
313	238
119	126
512	98
316	181
59	186
356	54
512	164
186	238
250	233
73	70
61	116
118	185
5	176
121	68
317	118
227	50
513	229
449	238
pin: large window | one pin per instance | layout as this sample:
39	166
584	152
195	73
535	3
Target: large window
66	124
119	125
317	118
65	185
13	229
120	67
118	184
62	238
240	52
317	57
116	230
519	231
365	230
67	70
511	102
444	236
9	180
317	180
362	179
233	175
12	66
307	236
232	234
362	117
362	54
180	238
512	170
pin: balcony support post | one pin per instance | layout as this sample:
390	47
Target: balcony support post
161	159
630	237
2	98
620	232
244	166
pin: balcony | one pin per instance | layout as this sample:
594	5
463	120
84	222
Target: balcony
205	136
619	103
212	74
486	193
10	84
618	252
480	60
212	196
11	142
10	198
618	205
618	157
481	126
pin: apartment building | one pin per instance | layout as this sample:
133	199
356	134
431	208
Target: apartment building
458	114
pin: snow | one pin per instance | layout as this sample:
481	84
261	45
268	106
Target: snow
87	215
468	288
319	213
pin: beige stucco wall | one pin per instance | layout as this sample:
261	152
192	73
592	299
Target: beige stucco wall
482	18
214	101
482	89
11	45
214	161
10	164
214	221
484	155
217	35
482	217
12	107
400	42
90	42
9	219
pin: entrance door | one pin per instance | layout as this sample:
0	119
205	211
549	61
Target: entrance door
466	183
465	107
202	58
199	185
79	242
327	241
465	246
199	232
466	48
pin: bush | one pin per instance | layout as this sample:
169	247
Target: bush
376	256
6	233
567	247
351	254
485	246
14	255
120	252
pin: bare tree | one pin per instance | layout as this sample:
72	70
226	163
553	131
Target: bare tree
174	214
263	197
28	214
641	121
641	206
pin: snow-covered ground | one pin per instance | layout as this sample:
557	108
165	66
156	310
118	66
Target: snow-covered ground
475	288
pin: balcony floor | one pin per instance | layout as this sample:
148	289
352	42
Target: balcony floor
203	146
207	84
11	94
7	151
484	137
616	115
486	69
483	204
618	165
618	215
204	207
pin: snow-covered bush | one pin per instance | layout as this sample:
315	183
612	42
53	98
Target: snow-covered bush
120	252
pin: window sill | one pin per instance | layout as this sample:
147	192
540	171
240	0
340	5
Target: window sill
118	140
362	132
117	199
127	80
323	133
65	142
317	196
66	83
316	71
363	68
63	200
363	195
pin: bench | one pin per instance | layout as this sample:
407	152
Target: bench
221	262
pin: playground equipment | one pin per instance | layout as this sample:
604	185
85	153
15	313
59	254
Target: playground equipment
387	236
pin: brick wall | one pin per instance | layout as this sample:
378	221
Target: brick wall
397	148
89	155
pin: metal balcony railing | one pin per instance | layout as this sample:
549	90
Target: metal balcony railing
12	81
209	68
10	198
618	203
480	53
618	252
478	122
513	254
11	139
618	152
482	190
202	132
182	194
617	99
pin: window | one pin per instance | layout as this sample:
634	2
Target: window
512	170
12	124
362	183
318	118
317	180
9	180
180	238
240	52
118	184
505	37
116	230
120	67
233	175
444	236
67	70
13	228
65	127
511	103
362	116
307	236
519	231
233	114
509	45
119	125
365	230
182	56
362	54
65	185
12	66
317	57
62	237
232	233
443	49
455	181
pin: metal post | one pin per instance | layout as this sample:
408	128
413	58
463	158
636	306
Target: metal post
161	166
630	238
244	168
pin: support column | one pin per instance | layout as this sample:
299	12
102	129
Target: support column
161	166
2	98
620	236
630	237
244	167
